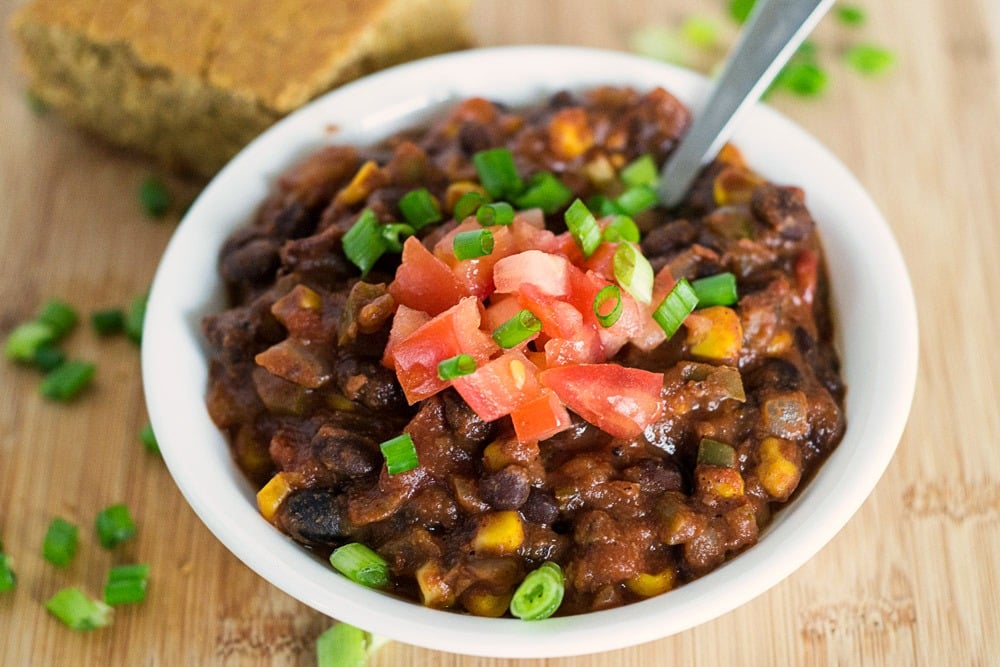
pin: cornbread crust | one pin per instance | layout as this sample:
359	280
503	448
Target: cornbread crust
191	81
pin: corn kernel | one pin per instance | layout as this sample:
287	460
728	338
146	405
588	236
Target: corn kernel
648	585
499	533
482	603
719	483
360	186
308	299
731	155
272	494
778	474
569	133
600	172
435	591
735	185
722	339
780	342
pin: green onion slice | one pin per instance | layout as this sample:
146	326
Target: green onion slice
740	9
468	204
148	439
675	307
497	173
25	339
637	199
608	294
544	191
126	584
805	79
472	244
59	546
391	234
114	525
48	357
583	226
66	381
8	580
869	59
154	197
517	329
715	453
59	316
851	15
717	290
343	645
135	318
108	321
633	272
540	594
456	367
419	208
621	228
75	609
499	213
400	454
360	564
641	171
363	243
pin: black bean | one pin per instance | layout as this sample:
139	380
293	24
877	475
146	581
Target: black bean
344	453
314	516
540	508
465	424
506	489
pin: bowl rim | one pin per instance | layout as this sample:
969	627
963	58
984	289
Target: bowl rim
175	371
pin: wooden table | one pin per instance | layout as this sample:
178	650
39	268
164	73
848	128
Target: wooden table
912	579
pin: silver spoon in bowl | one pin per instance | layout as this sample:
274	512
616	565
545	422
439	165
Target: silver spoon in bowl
773	31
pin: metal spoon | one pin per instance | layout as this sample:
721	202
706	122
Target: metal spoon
771	35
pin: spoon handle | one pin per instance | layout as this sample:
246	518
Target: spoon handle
771	35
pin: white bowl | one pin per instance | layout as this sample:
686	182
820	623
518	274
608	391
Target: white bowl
872	298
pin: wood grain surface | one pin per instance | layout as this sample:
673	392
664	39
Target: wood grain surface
911	580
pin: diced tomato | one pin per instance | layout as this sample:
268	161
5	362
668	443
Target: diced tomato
455	331
584	348
499	386
619	400
548	272
424	282
528	236
559	319
502	307
540	417
650	334
404	322
602	261
475	275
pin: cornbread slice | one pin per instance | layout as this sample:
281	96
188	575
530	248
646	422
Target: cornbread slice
192	81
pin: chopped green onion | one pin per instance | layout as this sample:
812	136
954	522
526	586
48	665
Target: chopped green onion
148	439
363	243
517	329
114	525
126	584
805	79
48	358
497	173
675	307
604	297
740	9
67	380
135	318
343	645
468	204
391	233
457	366
807	51
79	612
603	205
621	228
637	199
472	244
154	196
641	171
58	315
546	192
717	290
869	59
715	453
633	272
360	564
701	31
540	594
25	339
60	543
499	213
400	454
419	208
851	15
7	577
108	321
583	226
